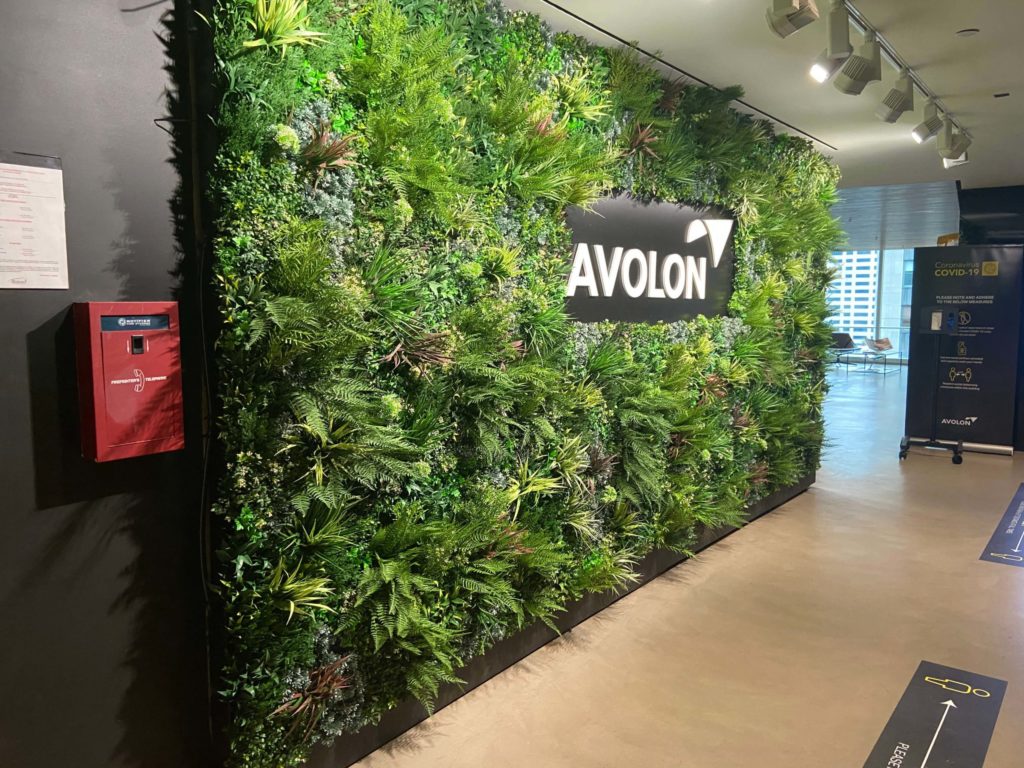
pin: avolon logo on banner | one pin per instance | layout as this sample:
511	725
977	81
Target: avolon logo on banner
648	262
966	421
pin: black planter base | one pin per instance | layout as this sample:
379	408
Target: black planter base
349	749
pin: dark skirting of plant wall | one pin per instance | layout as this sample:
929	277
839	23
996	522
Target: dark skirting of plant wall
423	455
351	748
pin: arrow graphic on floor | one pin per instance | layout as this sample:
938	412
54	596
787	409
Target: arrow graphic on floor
947	705
1010	525
929	730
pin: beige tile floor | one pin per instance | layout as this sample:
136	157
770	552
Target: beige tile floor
787	644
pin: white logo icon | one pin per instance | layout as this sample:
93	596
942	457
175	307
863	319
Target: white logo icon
717	232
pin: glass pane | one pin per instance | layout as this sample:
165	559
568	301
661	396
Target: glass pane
894	302
853	294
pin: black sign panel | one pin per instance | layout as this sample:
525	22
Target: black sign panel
1007	543
648	262
968	376
134	322
945	718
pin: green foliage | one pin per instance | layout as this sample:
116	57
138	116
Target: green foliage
404	79
635	86
533	154
296	593
280	23
339	438
424	454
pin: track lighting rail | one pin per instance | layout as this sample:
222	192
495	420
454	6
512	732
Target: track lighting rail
860	22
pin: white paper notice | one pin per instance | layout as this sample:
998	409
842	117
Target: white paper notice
33	246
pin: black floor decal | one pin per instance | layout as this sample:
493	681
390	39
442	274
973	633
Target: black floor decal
1007	543
944	720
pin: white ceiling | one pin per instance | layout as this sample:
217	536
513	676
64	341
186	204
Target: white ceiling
726	42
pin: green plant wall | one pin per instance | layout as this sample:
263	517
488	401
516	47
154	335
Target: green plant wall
423	453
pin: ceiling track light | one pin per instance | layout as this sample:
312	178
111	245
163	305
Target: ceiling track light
953	145
930	126
825	67
852	72
962	160
863	67
899	100
788	16
838	48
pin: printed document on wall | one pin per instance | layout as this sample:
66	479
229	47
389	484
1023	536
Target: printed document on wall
33	244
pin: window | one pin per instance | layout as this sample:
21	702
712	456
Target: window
851	295
897	277
870	297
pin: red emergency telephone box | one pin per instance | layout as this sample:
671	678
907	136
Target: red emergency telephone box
129	378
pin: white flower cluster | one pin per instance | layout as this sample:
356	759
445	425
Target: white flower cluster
309	117
507	223
679	331
329	196
730	329
746	259
585	336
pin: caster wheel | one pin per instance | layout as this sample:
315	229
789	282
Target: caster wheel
958	459
903	455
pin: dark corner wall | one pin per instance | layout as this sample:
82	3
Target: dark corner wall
995	216
992	216
102	632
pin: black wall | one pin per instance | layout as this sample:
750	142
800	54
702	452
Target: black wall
102	638
992	216
995	216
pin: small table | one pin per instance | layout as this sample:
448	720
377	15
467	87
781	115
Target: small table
871	360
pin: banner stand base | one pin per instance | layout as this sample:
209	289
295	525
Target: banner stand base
998	450
926	442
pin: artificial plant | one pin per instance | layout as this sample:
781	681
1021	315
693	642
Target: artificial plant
424	453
